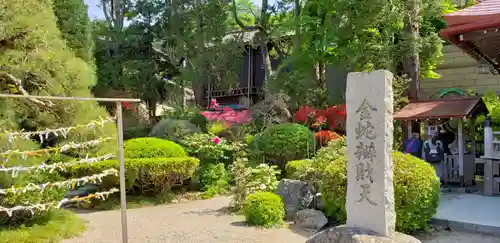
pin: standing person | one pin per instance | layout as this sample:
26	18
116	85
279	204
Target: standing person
413	146
434	153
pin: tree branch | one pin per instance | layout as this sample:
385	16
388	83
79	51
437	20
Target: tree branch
18	83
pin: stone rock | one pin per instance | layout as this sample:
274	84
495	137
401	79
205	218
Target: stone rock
344	234
296	195
310	219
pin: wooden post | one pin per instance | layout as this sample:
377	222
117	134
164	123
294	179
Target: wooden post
409	127
472	132
461	152
121	156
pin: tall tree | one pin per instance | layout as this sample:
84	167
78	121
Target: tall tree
75	26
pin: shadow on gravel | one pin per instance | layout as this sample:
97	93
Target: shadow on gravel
215	212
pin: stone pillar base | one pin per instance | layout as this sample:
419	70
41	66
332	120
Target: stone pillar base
344	234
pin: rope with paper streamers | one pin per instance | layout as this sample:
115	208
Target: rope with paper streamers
63	131
24	154
48	206
71	183
55	166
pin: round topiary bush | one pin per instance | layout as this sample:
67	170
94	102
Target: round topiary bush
152	148
281	143
264	209
416	191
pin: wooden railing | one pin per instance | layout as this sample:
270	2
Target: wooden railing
233	92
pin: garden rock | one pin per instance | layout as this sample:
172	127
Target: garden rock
296	195
344	234
310	219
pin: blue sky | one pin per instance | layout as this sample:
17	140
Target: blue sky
96	12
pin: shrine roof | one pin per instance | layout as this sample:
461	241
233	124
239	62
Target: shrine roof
442	109
475	31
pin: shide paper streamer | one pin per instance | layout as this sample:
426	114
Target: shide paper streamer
43	135
25	154
55	166
72	183
47	206
63	131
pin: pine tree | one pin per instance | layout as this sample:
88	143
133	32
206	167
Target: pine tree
35	59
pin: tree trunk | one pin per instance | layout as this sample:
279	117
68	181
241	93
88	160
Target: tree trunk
198	87
411	62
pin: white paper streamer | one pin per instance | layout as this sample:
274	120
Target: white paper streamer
64	148
63	131
60	184
44	207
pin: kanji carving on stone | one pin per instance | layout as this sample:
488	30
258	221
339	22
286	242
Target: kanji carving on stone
367	190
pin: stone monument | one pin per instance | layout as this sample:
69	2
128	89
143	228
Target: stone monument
371	216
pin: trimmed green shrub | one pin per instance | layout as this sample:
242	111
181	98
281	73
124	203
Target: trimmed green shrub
325	155
416	191
264	209
173	129
298	169
152	148
144	175
281	143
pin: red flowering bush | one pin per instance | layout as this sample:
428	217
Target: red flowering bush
323	137
331	118
304	114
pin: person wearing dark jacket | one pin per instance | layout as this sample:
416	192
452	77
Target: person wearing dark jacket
413	146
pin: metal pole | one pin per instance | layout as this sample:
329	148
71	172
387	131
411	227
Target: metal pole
123	197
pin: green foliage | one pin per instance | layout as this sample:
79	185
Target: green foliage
264	209
54	226
492	101
145	176
213	179
205	147
326	155
152	148
248	180
416	191
75	26
281	143
298	169
173	129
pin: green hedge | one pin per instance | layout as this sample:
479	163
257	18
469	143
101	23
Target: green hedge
264	209
152	148
416	191
143	176
281	143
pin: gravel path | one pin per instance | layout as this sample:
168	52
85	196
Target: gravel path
208	221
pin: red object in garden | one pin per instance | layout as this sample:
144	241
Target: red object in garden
128	106
229	116
323	137
304	113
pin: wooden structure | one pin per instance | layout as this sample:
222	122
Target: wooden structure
491	160
251	75
459	165
475	30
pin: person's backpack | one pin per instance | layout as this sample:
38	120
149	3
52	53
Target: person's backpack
434	157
